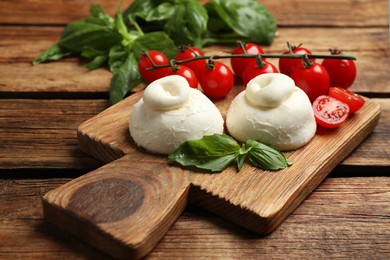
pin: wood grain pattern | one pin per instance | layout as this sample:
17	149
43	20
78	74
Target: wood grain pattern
316	13
254	199
342	218
51	12
69	77
39	134
124	208
324	224
365	153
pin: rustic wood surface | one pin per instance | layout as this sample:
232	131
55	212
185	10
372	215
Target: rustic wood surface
41	107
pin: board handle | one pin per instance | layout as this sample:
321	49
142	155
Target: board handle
122	208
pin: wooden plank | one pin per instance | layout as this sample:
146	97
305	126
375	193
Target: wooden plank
27	42
342	218
346	13
51	12
287	13
61	78
333	222
42	134
374	148
67	77
24	234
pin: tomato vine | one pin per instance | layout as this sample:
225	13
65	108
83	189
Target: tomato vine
290	55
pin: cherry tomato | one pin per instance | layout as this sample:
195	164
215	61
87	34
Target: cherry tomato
312	78
191	52
188	74
216	82
354	101
330	112
342	73
239	64
287	65
158	58
254	69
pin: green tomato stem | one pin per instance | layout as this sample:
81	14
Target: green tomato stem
307	63
259	61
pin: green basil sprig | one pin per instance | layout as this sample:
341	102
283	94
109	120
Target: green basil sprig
105	40
216	152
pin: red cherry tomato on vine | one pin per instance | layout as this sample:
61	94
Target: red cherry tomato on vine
216	82
158	58
354	101
188	74
312	78
253	69
191	52
342	73
286	65
239	64
330	112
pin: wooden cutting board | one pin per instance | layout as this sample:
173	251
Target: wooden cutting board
125	207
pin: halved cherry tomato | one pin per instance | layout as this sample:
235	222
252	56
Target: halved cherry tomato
312	78
287	65
354	101
190	52
330	112
158	58
188	74
239	64
256	68
342	73
216	82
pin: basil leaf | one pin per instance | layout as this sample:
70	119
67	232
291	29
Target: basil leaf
188	24
218	164
98	58
80	35
124	79
162	12
242	154
265	157
247	18
116	57
98	16
142	8
215	23
155	41
90	53
240	160
55	52
98	31
121	28
213	152
97	62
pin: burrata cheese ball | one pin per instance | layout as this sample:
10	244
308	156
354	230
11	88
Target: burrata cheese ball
274	111
170	113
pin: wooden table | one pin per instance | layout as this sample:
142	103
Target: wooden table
41	107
